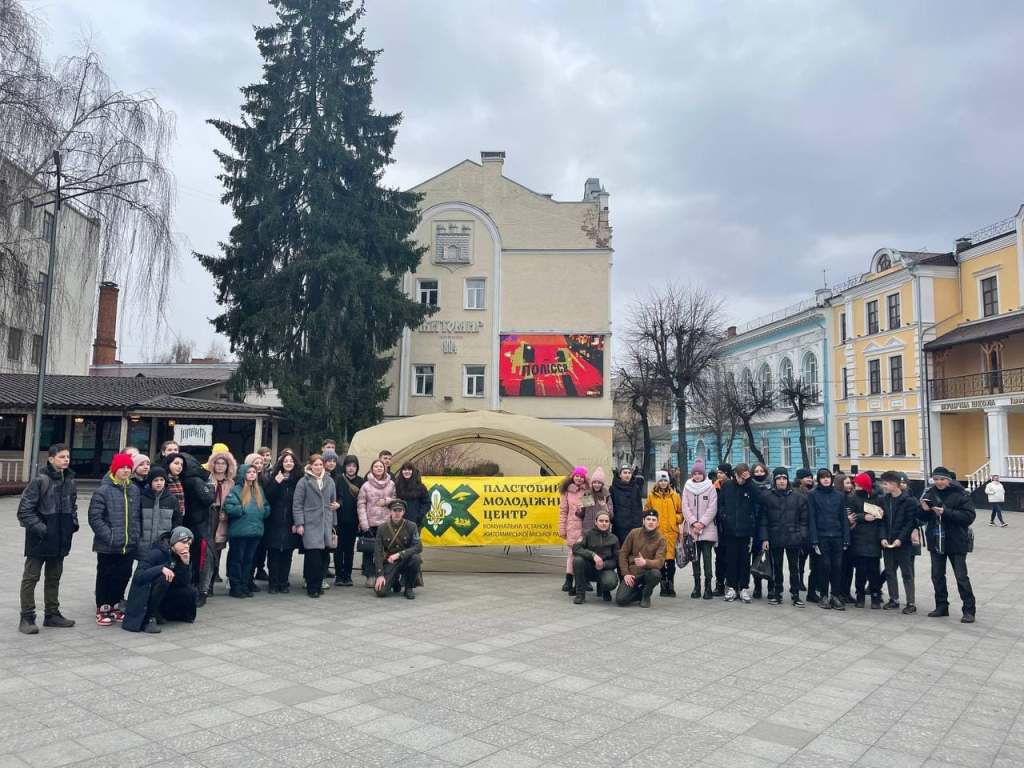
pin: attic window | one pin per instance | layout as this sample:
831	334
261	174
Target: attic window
884	263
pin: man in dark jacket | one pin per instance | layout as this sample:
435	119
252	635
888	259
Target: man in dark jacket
737	524
48	511
397	552
627	502
948	513
898	524
762	482
595	558
783	529
828	537
804	485
162	587
866	533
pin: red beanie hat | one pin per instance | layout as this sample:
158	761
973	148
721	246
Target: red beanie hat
863	481
121	461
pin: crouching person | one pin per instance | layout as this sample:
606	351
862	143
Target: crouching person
397	553
641	558
594	558
162	588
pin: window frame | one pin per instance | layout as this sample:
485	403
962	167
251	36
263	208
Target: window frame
416	374
842	328
845	377
871	317
879	448
467	377
787	451
812	448
899	443
982	303
421	291
896	385
12	334
875	377
36	352
765	447
482	292
893	308
846	439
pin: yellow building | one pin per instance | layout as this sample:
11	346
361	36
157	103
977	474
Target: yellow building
976	387
878	326
520	284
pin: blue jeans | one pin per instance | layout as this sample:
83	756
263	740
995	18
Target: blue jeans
241	553
997	511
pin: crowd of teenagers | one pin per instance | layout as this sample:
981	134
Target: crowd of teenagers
739	523
161	529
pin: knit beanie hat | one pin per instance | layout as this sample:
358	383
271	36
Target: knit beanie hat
650	512
252	457
181	533
660	475
579	472
780	472
942	472
155	473
138	459
803	472
725	467
863	481
698	466
330	455
121	461
597	476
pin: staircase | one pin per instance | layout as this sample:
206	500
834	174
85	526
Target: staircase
979	477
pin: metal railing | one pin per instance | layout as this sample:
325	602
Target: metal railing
1001	227
977	384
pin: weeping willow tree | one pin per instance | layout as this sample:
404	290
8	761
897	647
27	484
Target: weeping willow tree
108	140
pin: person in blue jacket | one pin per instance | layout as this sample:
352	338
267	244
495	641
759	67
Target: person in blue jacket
828	534
246	508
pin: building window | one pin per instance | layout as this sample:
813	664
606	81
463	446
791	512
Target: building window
884	263
764	448
473	376
27	215
787	451
896	373
846	383
43	285
989	297
809	374
427	292
874	377
899	437
812	450
764	380
476	291
873	317
786	371
842	326
424	385
877	446
892	304
846	438
14	341
47	225
37	349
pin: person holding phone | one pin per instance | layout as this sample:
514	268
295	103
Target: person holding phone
948	512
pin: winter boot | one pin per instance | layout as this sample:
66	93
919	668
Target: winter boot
606	596
708	592
719	589
758	591
663	587
410	594
56	620
581	597
645	597
696	588
876	602
672	584
567	586
151	628
859	602
27	625
939	612
812	596
837	604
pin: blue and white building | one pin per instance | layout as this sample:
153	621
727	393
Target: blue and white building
792	342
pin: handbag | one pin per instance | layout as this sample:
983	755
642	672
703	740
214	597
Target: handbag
366	544
762	567
686	550
334	538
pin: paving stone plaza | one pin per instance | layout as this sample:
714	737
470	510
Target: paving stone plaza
502	670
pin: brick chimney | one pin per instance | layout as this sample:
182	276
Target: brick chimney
730	332
104	349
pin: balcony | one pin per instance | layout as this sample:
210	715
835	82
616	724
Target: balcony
1006	381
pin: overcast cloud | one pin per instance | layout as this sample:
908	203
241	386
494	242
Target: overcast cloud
748	145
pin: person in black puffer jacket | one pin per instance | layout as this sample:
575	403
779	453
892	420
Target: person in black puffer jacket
866	534
279	535
594	558
198	491
160	513
783	531
48	511
898	524
627	501
737	525
948	512
115	516
828	537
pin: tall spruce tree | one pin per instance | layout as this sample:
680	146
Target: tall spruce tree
310	277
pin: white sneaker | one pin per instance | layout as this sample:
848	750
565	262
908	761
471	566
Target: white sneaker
745	595
730	595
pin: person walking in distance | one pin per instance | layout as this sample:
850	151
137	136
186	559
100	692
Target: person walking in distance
948	513
48	511
996	496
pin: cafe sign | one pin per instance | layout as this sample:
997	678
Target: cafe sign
967	405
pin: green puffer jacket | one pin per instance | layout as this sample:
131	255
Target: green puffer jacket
246	520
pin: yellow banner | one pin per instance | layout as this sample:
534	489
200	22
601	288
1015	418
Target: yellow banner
485	511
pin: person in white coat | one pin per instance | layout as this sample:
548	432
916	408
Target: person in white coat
996	496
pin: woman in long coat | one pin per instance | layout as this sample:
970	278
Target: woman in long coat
279	537
315	520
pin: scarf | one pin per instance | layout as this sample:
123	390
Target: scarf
174	486
352	488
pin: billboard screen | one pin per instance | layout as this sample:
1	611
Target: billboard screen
549	365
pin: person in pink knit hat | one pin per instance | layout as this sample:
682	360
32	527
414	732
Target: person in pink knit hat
575	495
700	507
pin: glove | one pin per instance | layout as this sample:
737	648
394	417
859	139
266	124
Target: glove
39	529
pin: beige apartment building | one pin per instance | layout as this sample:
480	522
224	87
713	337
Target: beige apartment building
521	284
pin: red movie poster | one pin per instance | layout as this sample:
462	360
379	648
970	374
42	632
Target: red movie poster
551	365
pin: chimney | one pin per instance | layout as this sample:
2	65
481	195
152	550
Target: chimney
104	349
730	332
962	244
493	160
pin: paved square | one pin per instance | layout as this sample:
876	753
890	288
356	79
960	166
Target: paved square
502	670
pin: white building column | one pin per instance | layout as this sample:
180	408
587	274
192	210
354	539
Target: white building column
257	435
998	438
934	456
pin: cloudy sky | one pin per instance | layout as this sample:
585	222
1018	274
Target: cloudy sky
748	145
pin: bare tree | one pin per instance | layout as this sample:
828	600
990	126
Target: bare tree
713	414
630	430
181	352
681	325
639	388
799	394
747	399
107	139
443	460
